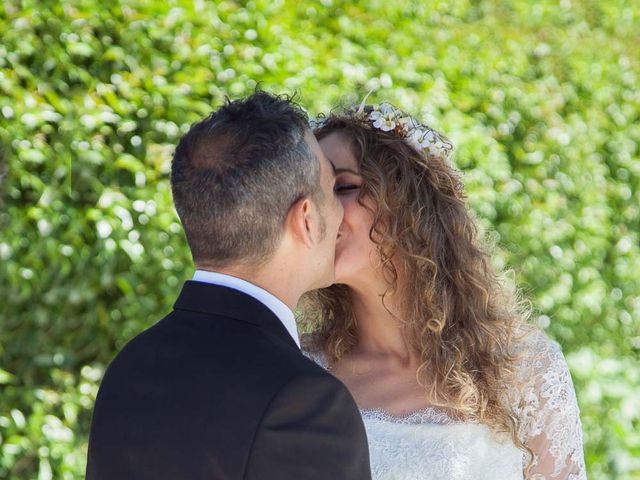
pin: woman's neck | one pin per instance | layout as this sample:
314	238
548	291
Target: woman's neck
380	325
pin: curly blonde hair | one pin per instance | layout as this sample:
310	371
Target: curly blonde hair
461	316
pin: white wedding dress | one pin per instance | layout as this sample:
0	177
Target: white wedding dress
429	445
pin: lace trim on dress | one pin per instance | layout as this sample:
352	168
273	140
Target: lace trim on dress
417	417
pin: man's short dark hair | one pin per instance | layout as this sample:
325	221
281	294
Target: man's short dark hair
236	174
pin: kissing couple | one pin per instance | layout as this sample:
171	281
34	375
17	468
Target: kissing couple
418	361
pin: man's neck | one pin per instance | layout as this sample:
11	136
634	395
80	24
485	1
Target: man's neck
277	283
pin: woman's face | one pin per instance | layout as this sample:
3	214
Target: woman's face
356	254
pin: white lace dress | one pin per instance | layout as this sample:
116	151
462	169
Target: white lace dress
428	444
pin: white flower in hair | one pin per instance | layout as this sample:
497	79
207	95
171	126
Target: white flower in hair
421	139
388	118
384	119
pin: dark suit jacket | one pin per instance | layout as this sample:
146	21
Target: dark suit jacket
219	390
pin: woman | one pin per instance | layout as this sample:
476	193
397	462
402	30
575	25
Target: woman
451	381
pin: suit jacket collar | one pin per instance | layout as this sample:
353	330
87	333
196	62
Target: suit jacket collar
218	300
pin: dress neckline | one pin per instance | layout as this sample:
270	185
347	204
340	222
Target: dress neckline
431	415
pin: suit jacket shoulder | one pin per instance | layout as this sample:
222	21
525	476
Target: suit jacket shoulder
189	397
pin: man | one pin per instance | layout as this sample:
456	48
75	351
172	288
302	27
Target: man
219	388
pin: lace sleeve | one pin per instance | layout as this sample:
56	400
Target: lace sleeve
548	413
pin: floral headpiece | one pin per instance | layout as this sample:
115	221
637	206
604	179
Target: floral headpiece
388	118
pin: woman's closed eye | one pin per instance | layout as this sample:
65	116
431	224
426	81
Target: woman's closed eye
346	187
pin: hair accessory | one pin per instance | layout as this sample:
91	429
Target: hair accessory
388	118
363	104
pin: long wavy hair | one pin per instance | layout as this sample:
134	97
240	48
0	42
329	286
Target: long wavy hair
460	315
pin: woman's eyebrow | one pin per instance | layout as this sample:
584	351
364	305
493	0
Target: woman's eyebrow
348	170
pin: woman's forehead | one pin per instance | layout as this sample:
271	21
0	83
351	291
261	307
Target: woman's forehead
338	148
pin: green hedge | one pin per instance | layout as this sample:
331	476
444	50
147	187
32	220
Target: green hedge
540	97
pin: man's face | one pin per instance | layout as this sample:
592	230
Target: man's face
330	212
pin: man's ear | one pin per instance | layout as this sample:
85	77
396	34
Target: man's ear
301	221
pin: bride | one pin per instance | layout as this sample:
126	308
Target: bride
451	380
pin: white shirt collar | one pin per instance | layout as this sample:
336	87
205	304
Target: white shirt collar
277	306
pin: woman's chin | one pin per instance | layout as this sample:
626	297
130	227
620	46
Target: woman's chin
339	276
350	269
343	275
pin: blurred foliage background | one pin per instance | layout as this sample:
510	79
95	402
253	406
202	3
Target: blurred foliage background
541	98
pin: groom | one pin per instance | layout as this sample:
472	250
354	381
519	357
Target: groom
219	389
